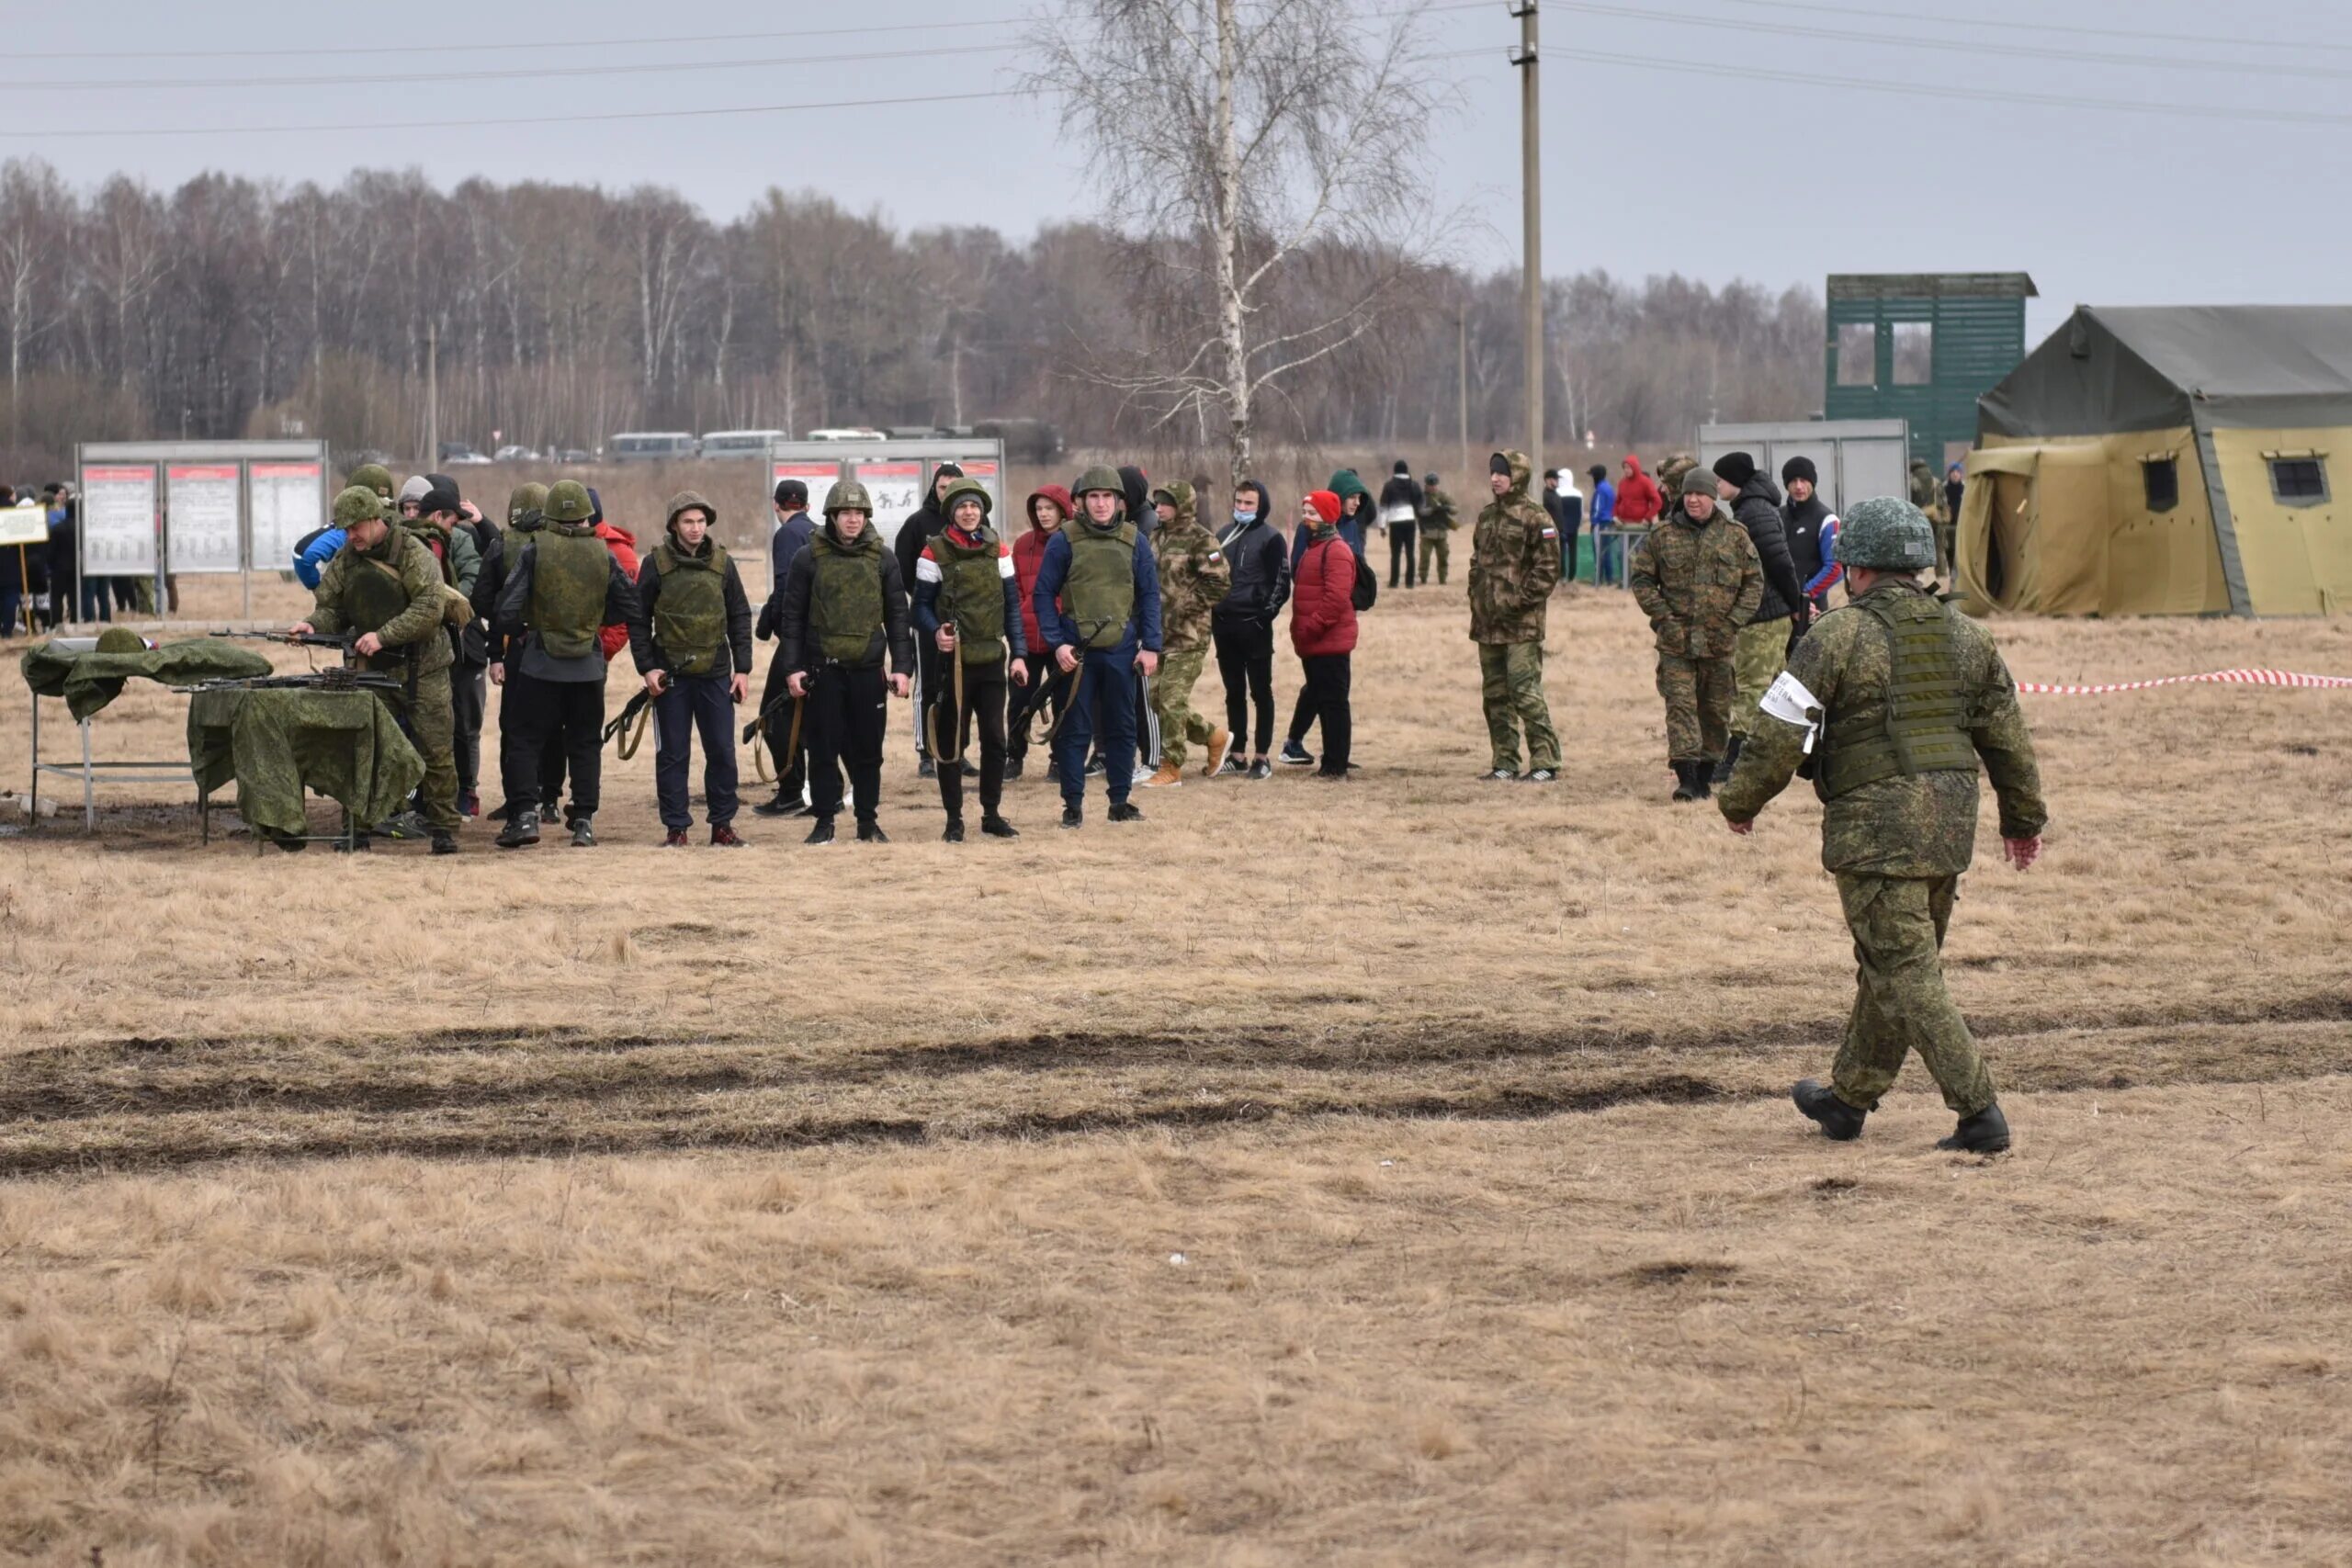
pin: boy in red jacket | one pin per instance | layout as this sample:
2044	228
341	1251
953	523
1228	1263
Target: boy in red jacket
1323	625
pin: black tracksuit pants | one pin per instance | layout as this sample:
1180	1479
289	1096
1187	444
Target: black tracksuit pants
1327	680
777	702
689	704
468	695
848	714
566	717
1245	659
986	690
1400	550
1040	701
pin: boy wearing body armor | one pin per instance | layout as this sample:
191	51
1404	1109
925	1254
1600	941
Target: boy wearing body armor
561	591
695	658
1097	601
968	607
385	585
844	610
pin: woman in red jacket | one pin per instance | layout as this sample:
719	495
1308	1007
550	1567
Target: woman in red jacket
1323	625
1049	508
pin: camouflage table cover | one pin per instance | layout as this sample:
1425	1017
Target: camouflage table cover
88	682
277	741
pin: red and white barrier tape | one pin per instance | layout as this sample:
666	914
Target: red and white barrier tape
2214	677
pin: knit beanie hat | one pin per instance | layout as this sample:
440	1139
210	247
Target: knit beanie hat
415	488
1326	504
1736	469
1797	468
1403	467
1498	464
1697	480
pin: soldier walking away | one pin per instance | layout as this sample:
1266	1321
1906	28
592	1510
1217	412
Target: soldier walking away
968	606
561	591
1323	627
923	525
1049	507
1763	643
844	610
1888	704
793	530
1400	516
1193	578
1697	578
385	586
696	656
1097	601
1242	626
1514	562
1437	528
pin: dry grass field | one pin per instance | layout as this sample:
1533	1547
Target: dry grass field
1389	1172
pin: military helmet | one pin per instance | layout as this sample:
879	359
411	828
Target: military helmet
967	489
1429	479
121	640
568	501
1886	534
1696	480
525	498
847	495
1101	475
375	477
357	504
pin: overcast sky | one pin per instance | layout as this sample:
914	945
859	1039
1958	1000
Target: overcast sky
1746	111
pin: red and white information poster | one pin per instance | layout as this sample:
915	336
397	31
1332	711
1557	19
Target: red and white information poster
896	490
818	477
203	518
118	520
283	501
985	473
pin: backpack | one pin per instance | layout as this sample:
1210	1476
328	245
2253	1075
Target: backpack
1367	590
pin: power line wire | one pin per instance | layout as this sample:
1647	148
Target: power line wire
2135	35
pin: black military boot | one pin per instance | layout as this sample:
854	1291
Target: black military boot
1731	761
1699	773
955	833
996	827
823	833
1683	788
1839	1121
446	843
1986	1133
522	828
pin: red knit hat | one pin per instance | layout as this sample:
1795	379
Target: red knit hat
1326	503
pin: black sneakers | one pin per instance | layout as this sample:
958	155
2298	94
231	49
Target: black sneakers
955	833
1296	756
1126	811
522	828
823	833
998	828
870	833
584	833
1073	817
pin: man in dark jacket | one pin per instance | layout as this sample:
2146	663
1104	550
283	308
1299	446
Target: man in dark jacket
1762	647
1400	514
1565	504
793	530
1242	626
922	527
845	612
1812	532
696	656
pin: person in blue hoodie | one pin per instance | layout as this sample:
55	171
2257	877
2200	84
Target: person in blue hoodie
1097	602
1608	561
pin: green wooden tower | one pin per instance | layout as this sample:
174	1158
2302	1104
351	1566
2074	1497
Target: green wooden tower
1922	346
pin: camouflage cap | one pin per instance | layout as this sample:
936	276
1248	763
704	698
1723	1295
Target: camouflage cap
1886	534
1101	475
375	477
847	495
525	498
568	501
357	504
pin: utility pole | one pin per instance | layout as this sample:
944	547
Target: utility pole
1462	383
1531	193
432	396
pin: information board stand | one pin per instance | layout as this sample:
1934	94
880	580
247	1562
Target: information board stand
179	508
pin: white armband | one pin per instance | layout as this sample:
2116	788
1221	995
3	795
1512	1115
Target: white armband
1786	700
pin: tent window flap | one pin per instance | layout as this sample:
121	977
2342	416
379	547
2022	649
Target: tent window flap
2299	479
2161	479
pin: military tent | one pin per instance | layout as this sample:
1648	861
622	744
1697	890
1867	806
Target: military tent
2171	460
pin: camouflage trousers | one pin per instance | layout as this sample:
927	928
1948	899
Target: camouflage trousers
432	730
1171	703
1510	684
1900	1003
1760	653
1699	694
1436	546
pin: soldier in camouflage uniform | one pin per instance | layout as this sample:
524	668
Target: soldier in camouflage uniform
1194	575
1697	577
1897	696
1514	562
385	585
1437	528
1927	495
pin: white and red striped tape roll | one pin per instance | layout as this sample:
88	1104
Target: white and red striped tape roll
2210	678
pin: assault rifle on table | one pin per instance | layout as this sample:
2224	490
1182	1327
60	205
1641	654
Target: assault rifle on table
303	640
345	678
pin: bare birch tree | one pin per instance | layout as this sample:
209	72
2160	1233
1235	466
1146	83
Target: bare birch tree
1234	139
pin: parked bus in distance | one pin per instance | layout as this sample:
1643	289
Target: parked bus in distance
846	432
740	443
650	445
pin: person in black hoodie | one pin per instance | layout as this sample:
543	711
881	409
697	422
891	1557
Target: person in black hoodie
793	532
1762	649
1400	513
1243	624
922	527
1811	528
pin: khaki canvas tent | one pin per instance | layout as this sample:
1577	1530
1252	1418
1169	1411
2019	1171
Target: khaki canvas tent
2168	461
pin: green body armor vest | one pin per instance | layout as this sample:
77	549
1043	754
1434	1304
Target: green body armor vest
690	616
567	588
1923	729
971	595
374	595
845	596
1100	593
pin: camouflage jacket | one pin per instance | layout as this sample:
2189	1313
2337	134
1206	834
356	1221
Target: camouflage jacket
1514	562
1437	511
1698	583
1194	575
420	577
1923	825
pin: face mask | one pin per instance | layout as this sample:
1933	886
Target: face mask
1241	516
